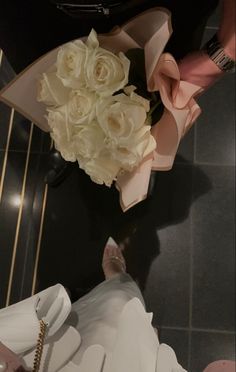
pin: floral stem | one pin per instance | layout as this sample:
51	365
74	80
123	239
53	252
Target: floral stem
154	108
154	97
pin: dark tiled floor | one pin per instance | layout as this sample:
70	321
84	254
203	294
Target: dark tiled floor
214	251
209	346
214	20
219	147
181	239
178	340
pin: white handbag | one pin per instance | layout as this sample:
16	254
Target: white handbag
26	324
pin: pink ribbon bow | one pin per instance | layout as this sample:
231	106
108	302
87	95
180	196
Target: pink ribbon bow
180	112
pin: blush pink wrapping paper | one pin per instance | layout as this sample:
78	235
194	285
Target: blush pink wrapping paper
149	30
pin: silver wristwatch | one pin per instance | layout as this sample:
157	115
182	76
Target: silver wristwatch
217	54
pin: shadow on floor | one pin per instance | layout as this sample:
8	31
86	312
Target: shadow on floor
72	248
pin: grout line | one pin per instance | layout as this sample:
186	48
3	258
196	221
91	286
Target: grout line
174	328
19	218
199	163
191	261
195	144
39	240
189	349
213	331
204	330
1	54
212	28
6	153
214	164
191	264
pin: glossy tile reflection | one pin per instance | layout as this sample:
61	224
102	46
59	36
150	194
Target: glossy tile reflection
2	153
6	71
4	124
9	215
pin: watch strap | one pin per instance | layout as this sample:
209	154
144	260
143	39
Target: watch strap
217	54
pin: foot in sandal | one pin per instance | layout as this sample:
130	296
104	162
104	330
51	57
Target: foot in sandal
113	262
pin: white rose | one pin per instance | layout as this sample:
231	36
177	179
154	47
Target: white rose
129	91
51	91
102	170
81	106
120	117
123	119
131	156
61	132
88	141
70	64
106	73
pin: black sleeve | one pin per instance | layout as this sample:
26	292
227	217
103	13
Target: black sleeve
30	28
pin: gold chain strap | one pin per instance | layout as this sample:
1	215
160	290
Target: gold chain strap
39	347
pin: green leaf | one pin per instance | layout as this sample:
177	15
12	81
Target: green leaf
137	73
137	77
157	113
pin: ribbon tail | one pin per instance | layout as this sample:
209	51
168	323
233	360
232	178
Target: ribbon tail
133	186
168	133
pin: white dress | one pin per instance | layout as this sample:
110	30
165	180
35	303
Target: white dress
98	318
60	355
96	315
108	330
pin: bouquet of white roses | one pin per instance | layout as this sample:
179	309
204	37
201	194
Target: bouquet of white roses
115	103
94	116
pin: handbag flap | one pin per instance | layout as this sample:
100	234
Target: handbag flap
58	350
19	323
